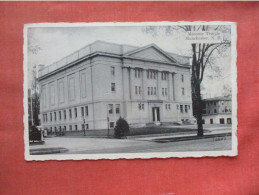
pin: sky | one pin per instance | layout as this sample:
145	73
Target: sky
54	43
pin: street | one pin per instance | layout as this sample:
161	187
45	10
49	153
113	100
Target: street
140	144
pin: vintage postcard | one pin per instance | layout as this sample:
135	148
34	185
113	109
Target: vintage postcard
130	90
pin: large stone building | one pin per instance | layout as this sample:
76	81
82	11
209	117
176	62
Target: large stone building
217	110
94	86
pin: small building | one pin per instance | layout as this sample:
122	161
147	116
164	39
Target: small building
94	86
217	110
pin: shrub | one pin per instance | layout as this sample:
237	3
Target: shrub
121	129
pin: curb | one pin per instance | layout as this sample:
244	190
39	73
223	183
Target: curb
187	138
41	151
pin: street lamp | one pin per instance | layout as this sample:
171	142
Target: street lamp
84	125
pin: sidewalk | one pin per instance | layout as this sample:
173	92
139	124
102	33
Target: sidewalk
181	135
83	144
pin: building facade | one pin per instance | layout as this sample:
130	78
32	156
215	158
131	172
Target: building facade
94	86
217	110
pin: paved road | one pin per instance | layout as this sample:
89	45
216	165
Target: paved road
105	145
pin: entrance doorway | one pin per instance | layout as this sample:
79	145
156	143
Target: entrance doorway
156	114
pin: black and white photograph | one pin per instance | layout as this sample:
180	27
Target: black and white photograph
130	90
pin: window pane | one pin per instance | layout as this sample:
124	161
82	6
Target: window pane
117	108
82	111
113	87
86	111
112	70
110	108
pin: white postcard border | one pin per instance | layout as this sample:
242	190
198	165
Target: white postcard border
113	156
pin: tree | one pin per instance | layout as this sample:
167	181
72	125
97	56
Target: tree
34	100
227	90
201	57
34	94
201	53
121	129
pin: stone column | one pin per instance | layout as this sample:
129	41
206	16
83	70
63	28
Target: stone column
144	83
155	113
173	86
131	77
170	86
176	87
159	89
125	79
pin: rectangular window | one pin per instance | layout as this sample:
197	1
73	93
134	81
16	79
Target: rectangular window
60	115
136	90
65	128
139	90
151	90
113	86
169	106
182	78
148	90
75	112
139	106
147	74
165	91
83	127
86	111
70	127
112	70
163	75
183	91
215	111
186	108
86	126
110	108
166	106
76	127
142	106
181	108
117	108
111	124
50	116
154	90
137	73
70	113
82	111
55	116
65	114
